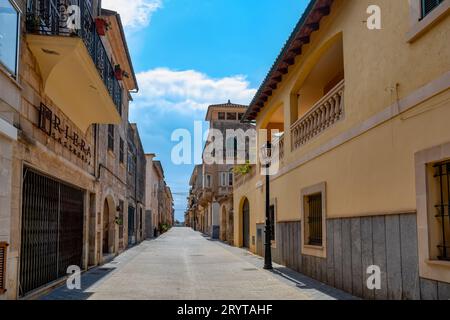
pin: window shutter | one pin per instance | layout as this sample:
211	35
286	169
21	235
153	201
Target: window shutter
3	248
429	5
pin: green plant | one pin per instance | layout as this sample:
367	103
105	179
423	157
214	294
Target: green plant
164	227
119	221
243	169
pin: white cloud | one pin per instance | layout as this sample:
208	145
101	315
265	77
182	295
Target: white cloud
134	13
190	90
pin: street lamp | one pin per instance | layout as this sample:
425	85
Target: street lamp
267	152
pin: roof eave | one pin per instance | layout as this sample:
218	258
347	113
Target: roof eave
286	58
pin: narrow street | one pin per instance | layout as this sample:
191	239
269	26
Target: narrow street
183	264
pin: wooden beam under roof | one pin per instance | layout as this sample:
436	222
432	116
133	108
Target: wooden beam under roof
309	23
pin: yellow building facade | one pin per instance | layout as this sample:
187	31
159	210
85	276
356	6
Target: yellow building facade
363	177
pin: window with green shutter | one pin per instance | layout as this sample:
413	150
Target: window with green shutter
429	5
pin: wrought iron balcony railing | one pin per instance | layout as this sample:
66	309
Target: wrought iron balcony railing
50	18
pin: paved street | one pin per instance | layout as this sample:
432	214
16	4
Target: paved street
183	264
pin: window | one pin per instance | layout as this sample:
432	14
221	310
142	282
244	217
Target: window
121	151
208	181
429	5
223	179
221	115
240	116
230	179
9	36
313	216
111	137
131	163
231	116
441	213
231	149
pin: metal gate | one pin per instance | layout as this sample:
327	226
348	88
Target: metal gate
52	230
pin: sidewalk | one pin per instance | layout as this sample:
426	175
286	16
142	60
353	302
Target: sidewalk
184	265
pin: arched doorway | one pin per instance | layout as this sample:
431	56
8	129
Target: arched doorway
246	224
105	227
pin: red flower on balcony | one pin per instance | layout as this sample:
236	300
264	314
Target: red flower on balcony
102	26
118	72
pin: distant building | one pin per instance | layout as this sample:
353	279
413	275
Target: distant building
211	196
159	201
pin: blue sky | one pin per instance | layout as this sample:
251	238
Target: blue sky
188	54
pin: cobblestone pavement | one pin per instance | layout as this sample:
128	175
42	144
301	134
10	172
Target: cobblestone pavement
183	264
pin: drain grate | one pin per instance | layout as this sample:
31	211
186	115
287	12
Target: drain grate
250	269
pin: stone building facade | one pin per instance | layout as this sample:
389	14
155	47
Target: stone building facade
211	196
363	163
63	117
158	197
136	166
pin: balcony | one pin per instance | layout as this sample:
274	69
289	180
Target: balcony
279	141
324	114
224	191
76	69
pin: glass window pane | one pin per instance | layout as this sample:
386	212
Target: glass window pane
8	35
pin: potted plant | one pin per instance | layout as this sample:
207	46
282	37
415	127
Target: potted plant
102	26
33	22
118	72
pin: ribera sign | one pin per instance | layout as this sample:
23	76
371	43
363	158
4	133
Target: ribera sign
64	134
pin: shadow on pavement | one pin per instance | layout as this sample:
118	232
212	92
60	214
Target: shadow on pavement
306	283
88	279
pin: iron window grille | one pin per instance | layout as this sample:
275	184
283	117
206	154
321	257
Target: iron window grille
50	18
111	137
429	5
314	203
442	174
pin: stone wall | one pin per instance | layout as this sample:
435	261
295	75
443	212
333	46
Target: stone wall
43	152
354	244
5	194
